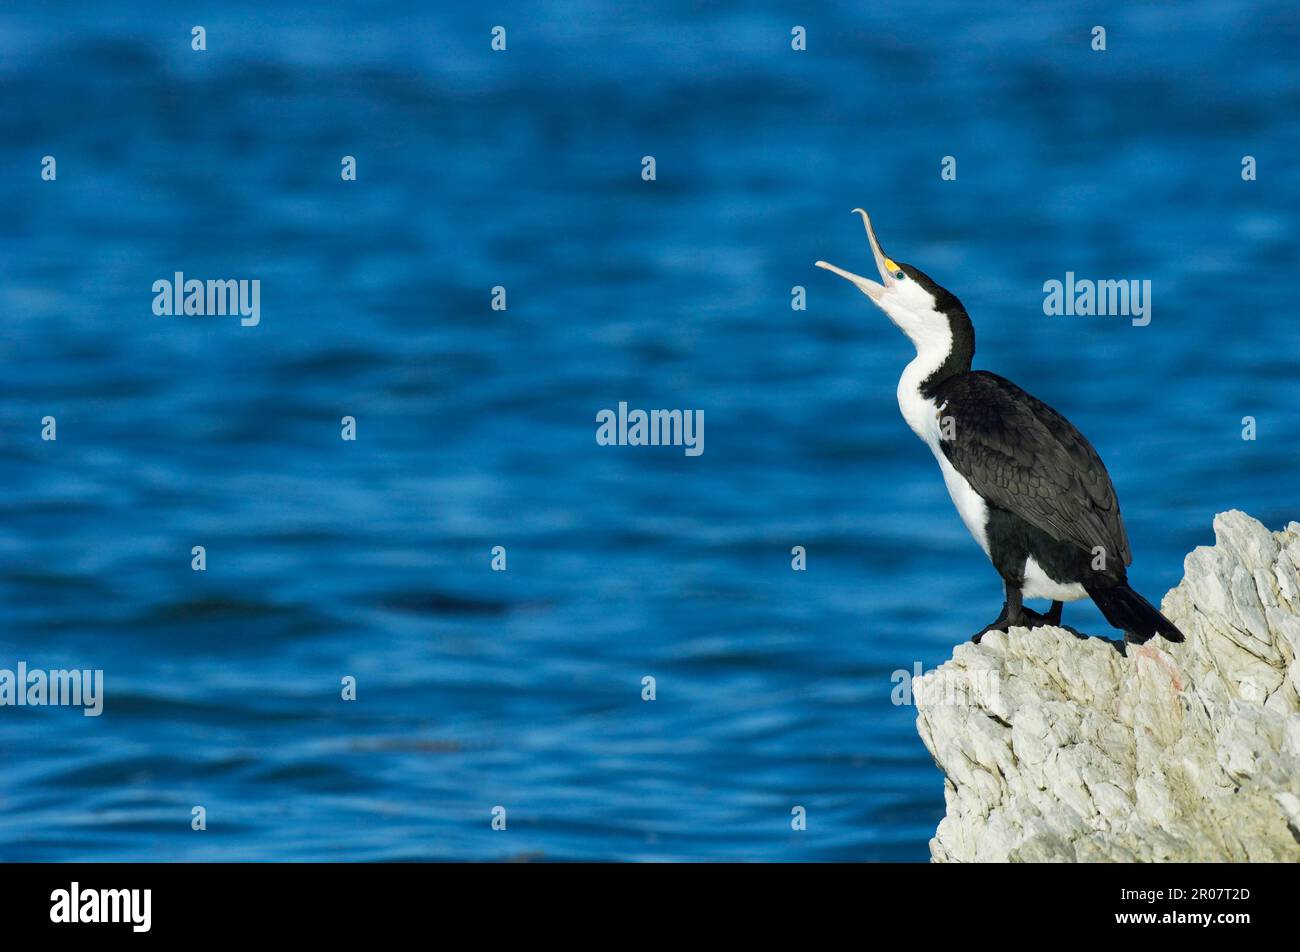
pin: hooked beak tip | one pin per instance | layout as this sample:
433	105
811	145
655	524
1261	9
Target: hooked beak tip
876	251
870	288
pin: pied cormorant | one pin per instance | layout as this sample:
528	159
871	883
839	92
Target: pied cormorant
1027	484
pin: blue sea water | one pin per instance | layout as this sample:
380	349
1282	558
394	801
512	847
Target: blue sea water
475	427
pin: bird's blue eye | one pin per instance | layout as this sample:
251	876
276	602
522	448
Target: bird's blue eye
899	275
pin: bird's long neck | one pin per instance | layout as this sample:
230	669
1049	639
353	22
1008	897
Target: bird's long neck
935	364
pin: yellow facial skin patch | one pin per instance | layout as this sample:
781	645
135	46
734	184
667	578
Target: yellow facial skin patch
891	266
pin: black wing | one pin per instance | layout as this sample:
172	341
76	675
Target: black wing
1023	456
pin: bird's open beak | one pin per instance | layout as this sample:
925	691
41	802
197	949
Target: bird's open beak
871	289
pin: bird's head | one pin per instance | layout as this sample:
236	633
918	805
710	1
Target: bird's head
928	314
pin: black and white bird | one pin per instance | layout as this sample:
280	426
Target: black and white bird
1027	484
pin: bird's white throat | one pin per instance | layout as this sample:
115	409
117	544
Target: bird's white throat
924	415
933	347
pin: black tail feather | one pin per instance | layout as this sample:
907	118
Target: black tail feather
1130	612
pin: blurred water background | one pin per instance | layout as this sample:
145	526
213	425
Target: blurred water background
476	427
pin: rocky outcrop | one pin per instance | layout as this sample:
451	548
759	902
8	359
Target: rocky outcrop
1061	748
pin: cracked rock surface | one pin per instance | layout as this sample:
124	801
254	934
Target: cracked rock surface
1059	748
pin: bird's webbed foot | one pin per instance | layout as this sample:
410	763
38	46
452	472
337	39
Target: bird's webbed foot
1035	619
1001	623
1016	615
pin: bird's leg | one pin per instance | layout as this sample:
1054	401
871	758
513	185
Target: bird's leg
1053	616
1016	615
1015	608
1013	613
1035	619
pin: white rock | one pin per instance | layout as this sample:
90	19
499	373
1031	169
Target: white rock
1059	748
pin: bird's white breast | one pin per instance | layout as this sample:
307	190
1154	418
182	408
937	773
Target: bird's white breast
923	416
